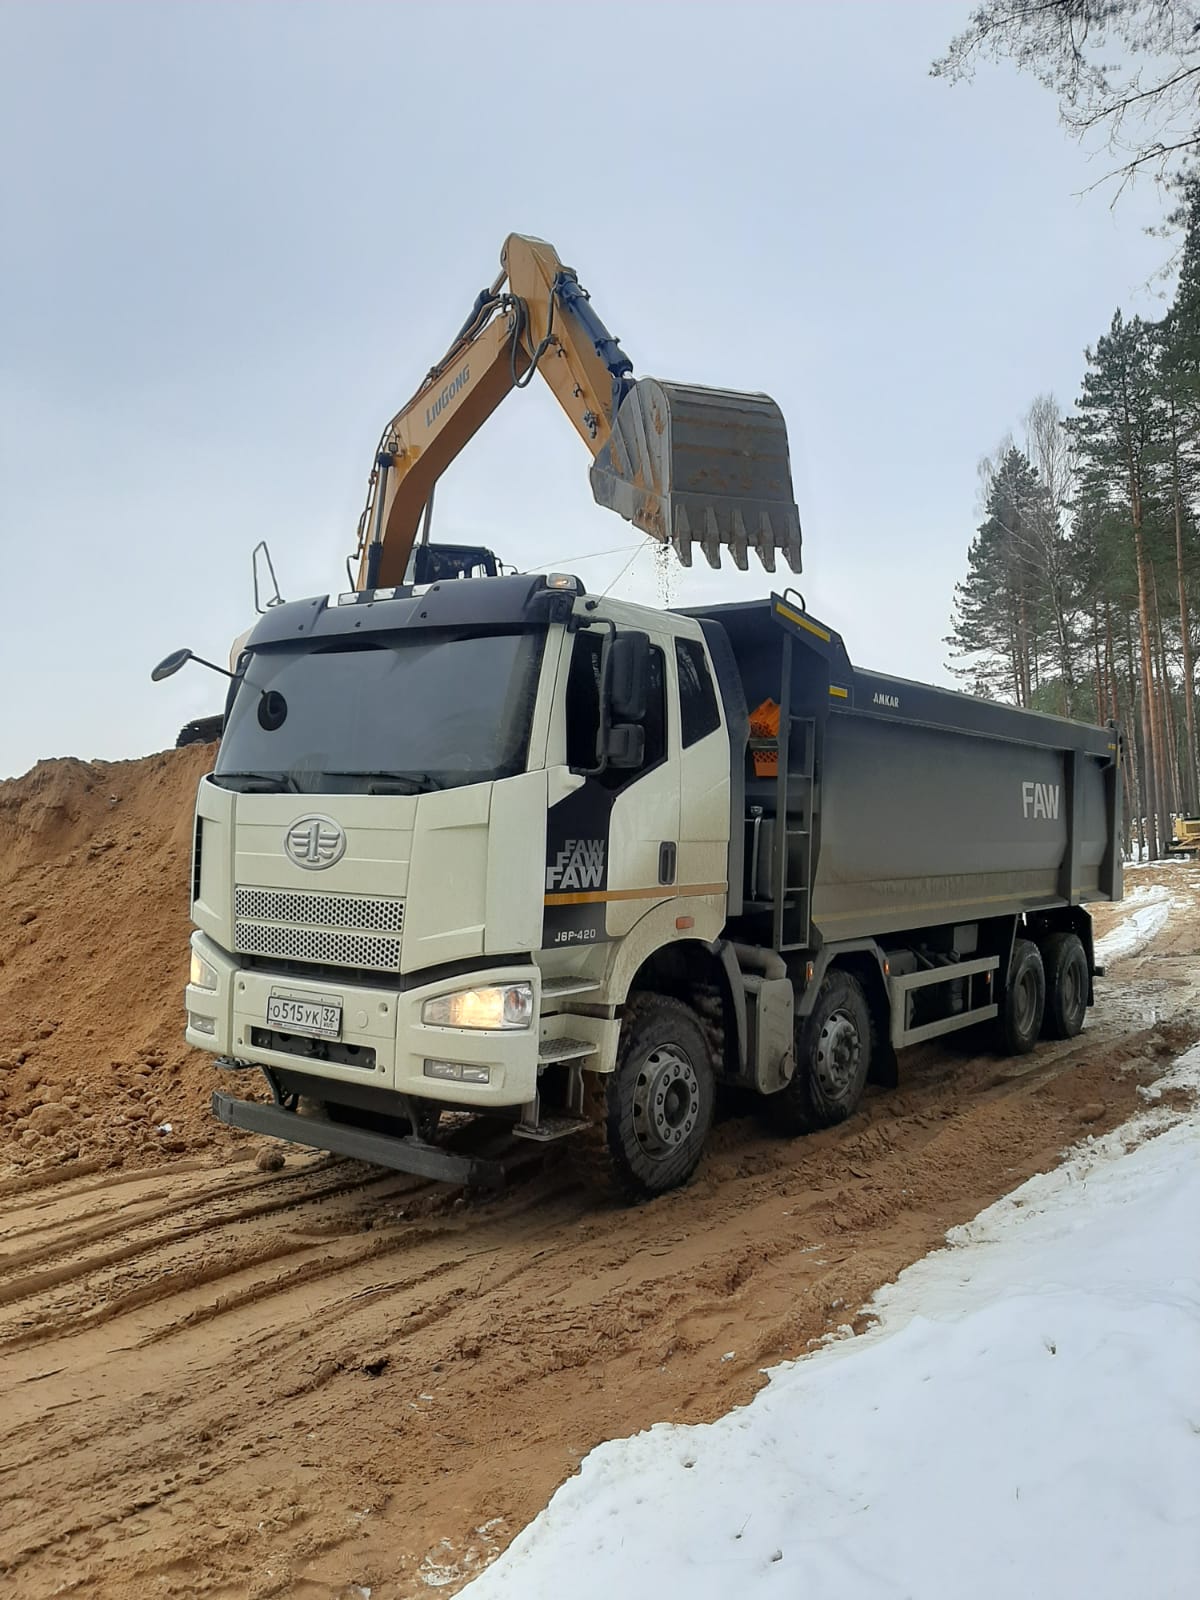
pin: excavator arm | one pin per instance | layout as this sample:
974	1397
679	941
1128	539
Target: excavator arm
684	464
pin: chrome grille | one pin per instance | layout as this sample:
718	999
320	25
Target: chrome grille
338	930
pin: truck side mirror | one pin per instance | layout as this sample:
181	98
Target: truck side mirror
626	746
170	665
628	677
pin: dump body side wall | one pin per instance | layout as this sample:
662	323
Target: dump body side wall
922	825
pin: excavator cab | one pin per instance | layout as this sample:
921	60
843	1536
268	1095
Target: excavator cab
433	563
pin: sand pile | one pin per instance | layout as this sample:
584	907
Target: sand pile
94	862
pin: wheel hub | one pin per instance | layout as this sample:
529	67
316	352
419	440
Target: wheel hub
839	1049
666	1101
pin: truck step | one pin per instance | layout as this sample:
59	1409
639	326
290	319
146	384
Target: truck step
550	1128
558	988
551	1050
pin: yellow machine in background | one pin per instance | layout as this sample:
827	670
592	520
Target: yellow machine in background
686	465
1186	840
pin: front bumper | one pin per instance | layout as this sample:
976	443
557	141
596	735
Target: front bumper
380	1149
384	1021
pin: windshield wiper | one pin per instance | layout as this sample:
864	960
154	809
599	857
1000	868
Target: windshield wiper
264	782
393	782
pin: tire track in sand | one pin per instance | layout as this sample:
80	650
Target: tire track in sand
365	1374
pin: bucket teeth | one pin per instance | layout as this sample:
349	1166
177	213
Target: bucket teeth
681	539
708	466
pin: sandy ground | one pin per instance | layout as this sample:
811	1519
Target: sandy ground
221	1381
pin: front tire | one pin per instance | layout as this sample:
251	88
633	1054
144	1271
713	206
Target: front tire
1066	966
1020	1020
833	1058
657	1106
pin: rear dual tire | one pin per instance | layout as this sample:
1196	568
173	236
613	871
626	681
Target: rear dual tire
1023	1005
1067	982
833	1060
1046	995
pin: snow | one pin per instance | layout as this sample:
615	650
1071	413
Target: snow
1024	1419
1151	906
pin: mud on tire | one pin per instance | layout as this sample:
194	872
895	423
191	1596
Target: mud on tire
833	1057
1066	967
651	1116
1024	1001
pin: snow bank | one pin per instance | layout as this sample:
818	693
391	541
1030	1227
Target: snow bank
1139	927
1024	1420
1149	907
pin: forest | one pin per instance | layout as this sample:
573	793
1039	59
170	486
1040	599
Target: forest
1082	593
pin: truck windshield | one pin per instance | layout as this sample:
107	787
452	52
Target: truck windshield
393	713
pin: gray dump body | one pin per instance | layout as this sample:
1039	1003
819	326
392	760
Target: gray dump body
906	806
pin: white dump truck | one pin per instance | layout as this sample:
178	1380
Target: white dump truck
495	846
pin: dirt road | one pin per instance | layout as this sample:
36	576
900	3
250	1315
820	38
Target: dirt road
224	1382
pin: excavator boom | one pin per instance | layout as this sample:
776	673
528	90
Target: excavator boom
686	465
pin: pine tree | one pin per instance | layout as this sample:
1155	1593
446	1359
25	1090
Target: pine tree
982	634
1180	370
1118	433
1016	505
1181	328
999	627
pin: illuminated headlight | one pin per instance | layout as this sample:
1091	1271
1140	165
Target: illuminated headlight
457	1072
497	1006
200	1024
204	975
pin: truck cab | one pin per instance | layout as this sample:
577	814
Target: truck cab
445	829
495	846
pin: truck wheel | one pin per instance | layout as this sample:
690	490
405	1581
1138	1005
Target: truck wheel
1020	1020
657	1106
1065	963
833	1058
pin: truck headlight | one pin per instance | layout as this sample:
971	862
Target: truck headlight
204	974
507	1005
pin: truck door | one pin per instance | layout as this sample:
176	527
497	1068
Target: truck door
612	844
703	774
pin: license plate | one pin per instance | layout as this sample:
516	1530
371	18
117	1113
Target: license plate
316	1018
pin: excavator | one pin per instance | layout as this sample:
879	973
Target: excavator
686	465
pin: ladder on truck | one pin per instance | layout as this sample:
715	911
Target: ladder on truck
792	852
787	895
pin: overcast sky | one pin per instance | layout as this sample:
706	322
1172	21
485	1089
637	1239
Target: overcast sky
236	236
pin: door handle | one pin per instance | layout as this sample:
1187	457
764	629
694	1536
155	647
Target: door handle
667	857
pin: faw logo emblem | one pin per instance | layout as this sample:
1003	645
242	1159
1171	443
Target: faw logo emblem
892	701
1040	800
315	842
578	865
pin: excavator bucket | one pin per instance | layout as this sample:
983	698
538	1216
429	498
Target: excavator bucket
702	466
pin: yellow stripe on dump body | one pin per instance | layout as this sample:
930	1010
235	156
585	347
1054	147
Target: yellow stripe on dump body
803	622
840	694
